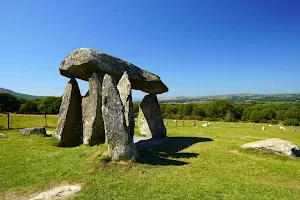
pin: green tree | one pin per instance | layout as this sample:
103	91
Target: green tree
198	110
29	107
9	103
187	109
171	109
256	116
292	113
219	108
49	105
291	122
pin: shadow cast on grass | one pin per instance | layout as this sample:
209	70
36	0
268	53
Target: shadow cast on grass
154	152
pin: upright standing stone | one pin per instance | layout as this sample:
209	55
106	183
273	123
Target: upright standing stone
93	127
120	143
124	88
69	128
150	119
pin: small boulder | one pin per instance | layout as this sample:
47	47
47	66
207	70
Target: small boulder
28	131
61	192
124	87
150	119
2	135
274	145
120	143
69	127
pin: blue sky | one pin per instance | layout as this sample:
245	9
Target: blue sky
196	47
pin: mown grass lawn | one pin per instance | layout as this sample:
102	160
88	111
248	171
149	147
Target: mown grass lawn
196	163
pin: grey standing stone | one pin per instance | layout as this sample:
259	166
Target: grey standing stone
69	128
82	62
150	119
124	88
93	127
28	131
275	145
120	143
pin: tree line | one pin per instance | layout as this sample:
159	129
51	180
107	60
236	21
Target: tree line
47	105
219	110
225	110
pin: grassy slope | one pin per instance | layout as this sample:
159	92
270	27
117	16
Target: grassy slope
191	166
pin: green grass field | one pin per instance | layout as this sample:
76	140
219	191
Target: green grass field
197	163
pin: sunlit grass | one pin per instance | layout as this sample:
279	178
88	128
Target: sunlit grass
197	163
18	121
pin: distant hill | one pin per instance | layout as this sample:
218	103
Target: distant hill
20	95
234	98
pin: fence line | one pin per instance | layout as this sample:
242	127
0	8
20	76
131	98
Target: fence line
221	124
16	121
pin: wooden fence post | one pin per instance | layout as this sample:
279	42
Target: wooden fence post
182	122
45	120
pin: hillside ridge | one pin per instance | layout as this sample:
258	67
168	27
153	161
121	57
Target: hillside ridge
20	95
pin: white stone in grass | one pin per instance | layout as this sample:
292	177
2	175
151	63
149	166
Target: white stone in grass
58	193
275	145
2	135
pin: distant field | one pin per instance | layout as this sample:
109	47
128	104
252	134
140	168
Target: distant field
198	163
18	121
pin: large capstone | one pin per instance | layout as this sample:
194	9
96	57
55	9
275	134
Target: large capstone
150	119
124	88
275	145
93	127
120	143
83	62
69	128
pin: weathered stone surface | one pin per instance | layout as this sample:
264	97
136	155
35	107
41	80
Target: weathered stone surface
69	128
61	192
28	131
93	127
124	88
82	62
120	143
150	119
2	135
274	145
49	133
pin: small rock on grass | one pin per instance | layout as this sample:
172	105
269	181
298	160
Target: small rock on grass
2	135
58	193
28	131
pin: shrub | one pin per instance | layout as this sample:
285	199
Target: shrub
291	122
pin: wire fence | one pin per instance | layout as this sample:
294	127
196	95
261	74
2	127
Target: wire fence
17	121
247	125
